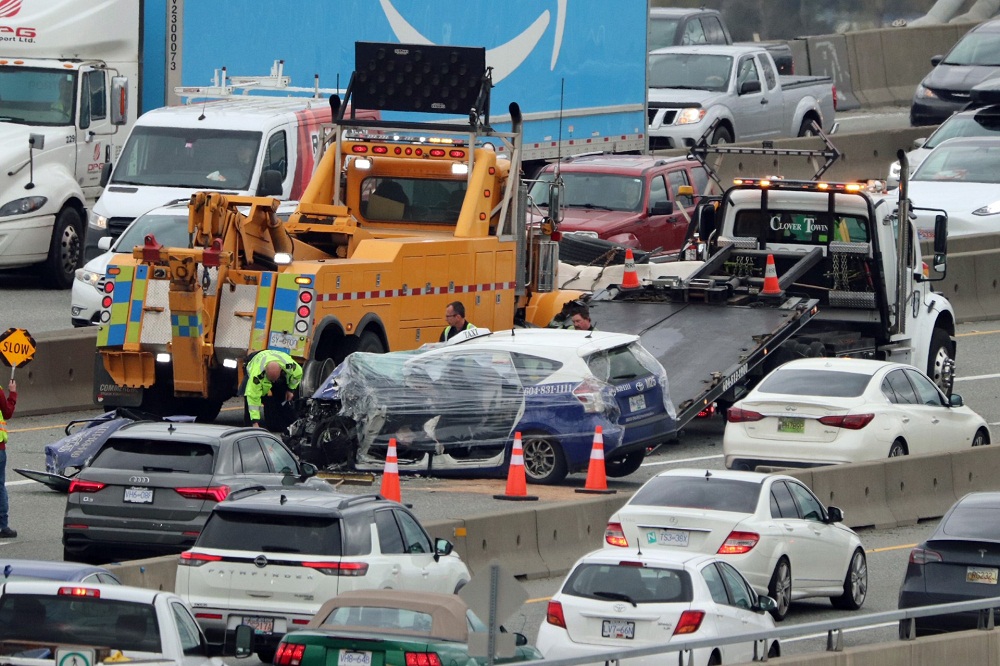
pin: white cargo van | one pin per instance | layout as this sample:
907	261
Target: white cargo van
257	145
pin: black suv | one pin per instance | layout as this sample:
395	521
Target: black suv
271	558
149	488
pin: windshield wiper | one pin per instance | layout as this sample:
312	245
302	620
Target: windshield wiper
616	595
590	205
152	468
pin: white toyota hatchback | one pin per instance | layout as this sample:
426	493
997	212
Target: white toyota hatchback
823	411
769	526
616	600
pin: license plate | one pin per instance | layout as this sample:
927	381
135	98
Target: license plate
791	424
284	340
669	537
139	495
637	402
984	575
260	625
618	629
354	658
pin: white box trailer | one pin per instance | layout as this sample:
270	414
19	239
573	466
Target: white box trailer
69	71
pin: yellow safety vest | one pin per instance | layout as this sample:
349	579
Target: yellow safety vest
3	429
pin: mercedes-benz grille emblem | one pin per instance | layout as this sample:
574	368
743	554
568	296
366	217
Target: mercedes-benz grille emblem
260	561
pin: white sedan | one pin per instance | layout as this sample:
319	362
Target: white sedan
616	600
962	178
823	411
769	526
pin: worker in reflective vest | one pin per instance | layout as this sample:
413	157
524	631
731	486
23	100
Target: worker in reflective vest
7	403
273	376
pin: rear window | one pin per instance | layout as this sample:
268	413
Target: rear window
622	364
828	384
151	455
272	533
612	582
810	227
121	625
699	493
972	523
381	618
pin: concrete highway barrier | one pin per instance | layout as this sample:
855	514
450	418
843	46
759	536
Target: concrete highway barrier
60	378
919	487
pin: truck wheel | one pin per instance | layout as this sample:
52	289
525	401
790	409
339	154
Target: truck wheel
314	374
205	410
624	465
941	361
370	342
544	461
722	135
806	128
266	655
65	251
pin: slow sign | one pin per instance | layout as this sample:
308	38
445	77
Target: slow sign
17	347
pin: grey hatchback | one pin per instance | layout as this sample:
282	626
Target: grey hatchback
149	489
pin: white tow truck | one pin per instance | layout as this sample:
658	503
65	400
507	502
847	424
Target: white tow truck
848	284
67	95
55	623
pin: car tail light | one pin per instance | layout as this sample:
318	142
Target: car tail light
588	392
78	486
212	493
615	535
192	559
707	412
422	659
554	615
738	543
338	568
737	415
848	421
79	592
689	622
289	654
924	556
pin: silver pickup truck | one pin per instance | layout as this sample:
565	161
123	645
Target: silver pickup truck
691	87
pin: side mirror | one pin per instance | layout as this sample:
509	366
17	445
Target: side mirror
936	60
119	100
270	183
940	237
765	604
308	470
917	143
834	514
520	639
104	243
106	173
662	208
442	547
244	641
556	188
748	87
955	400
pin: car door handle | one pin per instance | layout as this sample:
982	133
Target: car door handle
935	420
905	419
763	101
789	527
395	569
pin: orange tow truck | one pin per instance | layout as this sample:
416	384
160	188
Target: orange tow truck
399	219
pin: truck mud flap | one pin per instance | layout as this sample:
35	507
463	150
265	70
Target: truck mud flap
107	391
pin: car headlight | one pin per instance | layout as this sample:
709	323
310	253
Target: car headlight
923	91
989	209
89	277
689	116
97	221
22	206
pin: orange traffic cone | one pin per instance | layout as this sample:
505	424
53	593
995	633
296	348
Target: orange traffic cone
390	476
597	480
771	287
630	279
517	489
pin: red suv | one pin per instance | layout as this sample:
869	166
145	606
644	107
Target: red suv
631	200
